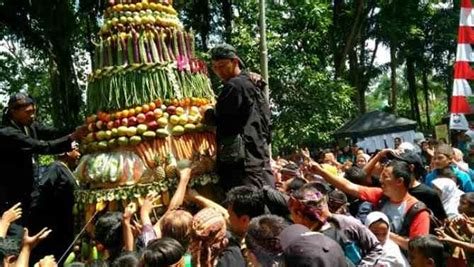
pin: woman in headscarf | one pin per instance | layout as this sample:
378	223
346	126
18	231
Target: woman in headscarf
449	194
379	225
361	160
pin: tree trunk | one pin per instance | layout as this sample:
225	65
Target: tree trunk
426	97
358	75
449	83
204	21
336	13
354	79
351	39
415	111
393	77
65	92
227	14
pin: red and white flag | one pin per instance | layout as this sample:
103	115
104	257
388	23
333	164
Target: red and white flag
463	71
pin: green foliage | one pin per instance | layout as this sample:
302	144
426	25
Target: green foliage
51	31
377	98
308	103
45	160
310	109
21	70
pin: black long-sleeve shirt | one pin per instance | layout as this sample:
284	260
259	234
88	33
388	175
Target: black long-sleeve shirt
242	112
19	149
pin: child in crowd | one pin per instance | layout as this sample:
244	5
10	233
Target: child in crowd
379	225
163	252
426	251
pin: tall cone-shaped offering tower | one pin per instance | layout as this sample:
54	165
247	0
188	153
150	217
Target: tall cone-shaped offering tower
145	98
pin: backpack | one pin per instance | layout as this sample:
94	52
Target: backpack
351	250
410	215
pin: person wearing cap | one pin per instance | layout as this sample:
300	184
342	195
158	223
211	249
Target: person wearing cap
302	247
443	158
22	139
210	245
262	240
392	198
242	120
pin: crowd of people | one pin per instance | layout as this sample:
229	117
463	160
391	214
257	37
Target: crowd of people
411	205
383	212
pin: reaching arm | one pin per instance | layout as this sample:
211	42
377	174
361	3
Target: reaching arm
178	197
175	202
127	226
442	236
466	224
339	182
149	232
194	196
17	139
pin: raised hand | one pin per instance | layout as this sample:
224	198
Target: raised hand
306	155
47	261
315	167
33	241
129	211
13	214
80	132
149	203
147	206
466	224
136	228
442	236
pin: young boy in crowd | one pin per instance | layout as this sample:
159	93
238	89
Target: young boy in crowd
426	251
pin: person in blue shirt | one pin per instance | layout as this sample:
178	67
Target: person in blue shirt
443	158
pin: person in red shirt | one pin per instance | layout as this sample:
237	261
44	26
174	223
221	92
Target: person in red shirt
395	180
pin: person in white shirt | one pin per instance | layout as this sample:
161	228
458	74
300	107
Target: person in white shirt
379	225
450	195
